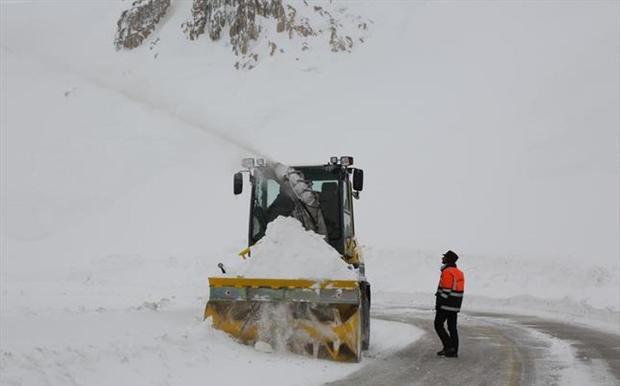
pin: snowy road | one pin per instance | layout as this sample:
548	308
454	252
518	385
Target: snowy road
497	349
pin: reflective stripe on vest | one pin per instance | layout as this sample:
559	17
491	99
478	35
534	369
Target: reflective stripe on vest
456	309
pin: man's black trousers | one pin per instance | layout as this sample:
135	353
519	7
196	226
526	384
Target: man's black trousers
449	339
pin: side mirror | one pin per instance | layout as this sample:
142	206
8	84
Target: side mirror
358	179
238	183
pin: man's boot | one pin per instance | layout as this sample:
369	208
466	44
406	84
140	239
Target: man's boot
441	353
451	353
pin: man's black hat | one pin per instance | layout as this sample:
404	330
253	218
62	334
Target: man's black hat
451	256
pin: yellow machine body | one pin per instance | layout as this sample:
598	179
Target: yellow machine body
323	318
317	318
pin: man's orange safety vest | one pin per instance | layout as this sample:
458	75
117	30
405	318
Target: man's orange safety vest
450	290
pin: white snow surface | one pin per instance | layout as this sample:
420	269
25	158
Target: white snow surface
289	251
475	133
168	345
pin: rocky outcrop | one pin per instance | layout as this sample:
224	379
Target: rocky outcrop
212	16
138	22
248	26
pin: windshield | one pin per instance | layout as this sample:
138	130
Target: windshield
272	200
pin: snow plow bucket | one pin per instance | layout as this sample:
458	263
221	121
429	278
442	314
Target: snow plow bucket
318	318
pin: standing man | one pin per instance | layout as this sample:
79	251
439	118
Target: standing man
449	298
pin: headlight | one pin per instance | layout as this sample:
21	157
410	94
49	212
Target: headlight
346	161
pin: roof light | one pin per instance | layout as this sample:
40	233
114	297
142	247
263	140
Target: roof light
346	161
333	160
247	163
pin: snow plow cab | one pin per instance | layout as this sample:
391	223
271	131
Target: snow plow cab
324	318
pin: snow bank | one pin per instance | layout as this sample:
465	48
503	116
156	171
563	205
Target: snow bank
290	251
172	346
580	292
497	277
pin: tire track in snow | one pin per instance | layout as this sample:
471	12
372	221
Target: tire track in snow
593	348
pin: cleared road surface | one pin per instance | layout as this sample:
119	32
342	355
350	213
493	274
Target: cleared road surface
497	349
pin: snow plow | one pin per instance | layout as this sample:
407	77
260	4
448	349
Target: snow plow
307	305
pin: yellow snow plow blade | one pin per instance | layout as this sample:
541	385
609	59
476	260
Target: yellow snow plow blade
319	318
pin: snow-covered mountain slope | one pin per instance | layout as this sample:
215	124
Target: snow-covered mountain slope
496	124
102	280
490	129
